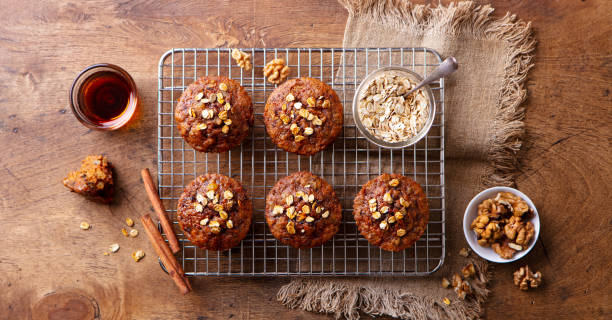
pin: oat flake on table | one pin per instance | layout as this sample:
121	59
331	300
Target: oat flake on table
387	114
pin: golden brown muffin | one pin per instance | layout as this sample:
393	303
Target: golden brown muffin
94	180
391	211
302	210
304	116
215	212
214	114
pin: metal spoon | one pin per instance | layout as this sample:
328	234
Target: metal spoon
448	66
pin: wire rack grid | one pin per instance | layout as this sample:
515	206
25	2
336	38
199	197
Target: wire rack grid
346	165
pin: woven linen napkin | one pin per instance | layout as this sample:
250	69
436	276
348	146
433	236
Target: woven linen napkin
483	125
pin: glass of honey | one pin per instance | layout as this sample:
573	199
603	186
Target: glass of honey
103	96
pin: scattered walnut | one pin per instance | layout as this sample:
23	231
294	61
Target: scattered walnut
461	287
85	226
503	249
137	255
525	279
445	283
468	270
242	59
276	71
464	252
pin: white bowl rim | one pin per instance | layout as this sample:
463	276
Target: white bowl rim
487	252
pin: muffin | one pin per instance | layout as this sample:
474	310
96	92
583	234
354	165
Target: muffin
214	114
93	180
391	211
303	116
214	212
302	210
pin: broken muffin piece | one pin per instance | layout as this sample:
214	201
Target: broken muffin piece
94	180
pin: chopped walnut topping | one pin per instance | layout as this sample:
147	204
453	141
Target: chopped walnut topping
218	207
204	221
200	198
299	138
215	230
223	214
394	182
242	59
387	114
376	215
383	225
223	86
85	226
308	131
311	101
387	197
290	97
137	255
201	126
284	118
401	232
291	227
291	212
306	209
294	128
220	98
199	96
198	207
309	219
223	115
210	194
276	71
325	104
229	224
399	215
289	200
278	210
214	224
228	194
391	219
192	113
384	209
325	214
311	198
208	114
404	202
317	121
225	129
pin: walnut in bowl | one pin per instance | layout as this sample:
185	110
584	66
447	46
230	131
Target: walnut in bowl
384	116
501	224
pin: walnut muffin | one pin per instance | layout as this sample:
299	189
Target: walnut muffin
94	179
302	210
391	211
303	116
214	114
215	212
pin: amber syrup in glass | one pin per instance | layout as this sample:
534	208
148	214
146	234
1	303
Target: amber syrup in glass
105	97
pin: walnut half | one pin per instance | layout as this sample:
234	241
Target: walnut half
276	71
525	279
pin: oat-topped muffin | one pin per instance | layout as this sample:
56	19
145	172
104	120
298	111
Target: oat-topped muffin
304	116
214	114
94	179
215	212
302	210
391	211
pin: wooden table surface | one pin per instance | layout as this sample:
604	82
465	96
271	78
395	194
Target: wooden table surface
566	159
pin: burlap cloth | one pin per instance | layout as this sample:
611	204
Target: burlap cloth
483	134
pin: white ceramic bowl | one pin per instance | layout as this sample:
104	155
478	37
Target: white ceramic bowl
471	212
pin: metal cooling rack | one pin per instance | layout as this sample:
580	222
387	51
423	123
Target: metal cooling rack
258	164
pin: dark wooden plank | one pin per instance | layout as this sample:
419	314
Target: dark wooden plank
565	163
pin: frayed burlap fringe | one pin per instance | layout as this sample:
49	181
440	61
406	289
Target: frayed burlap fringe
347	299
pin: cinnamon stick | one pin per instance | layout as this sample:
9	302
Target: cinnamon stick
159	209
168	259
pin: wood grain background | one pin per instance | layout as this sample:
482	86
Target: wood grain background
566	160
